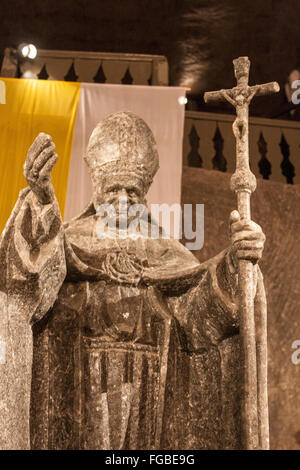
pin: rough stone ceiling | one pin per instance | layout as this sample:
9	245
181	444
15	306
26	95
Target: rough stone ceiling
199	37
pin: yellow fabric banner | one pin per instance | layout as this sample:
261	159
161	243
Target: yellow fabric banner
34	106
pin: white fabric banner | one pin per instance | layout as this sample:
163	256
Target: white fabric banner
161	109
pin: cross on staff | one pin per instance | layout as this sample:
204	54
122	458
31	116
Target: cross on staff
255	426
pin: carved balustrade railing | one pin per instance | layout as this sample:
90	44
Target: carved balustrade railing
274	145
98	67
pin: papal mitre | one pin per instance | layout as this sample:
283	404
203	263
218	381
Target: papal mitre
122	145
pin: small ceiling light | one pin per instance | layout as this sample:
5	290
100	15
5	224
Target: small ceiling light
182	100
28	51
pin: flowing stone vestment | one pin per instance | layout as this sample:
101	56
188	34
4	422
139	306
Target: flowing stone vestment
32	271
135	343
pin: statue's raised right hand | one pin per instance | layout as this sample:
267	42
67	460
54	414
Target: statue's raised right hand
40	160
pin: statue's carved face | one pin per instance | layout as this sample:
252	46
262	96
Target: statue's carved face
121	193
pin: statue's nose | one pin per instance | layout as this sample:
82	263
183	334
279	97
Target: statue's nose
123	197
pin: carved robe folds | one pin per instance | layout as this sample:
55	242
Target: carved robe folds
138	344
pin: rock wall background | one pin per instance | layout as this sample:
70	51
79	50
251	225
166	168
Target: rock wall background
199	37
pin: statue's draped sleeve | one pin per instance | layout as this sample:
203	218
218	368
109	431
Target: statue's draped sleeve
209	317
32	256
209	308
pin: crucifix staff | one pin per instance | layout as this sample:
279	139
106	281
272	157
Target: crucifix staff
254	412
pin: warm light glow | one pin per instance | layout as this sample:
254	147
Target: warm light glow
29	51
182	100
